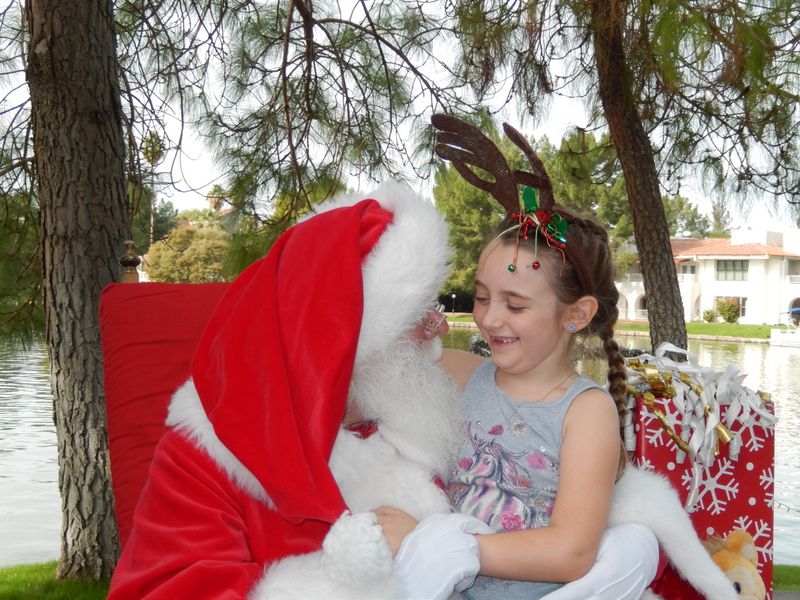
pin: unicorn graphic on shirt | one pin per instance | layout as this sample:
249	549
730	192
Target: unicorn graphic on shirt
495	486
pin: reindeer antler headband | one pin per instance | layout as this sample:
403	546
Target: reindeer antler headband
466	147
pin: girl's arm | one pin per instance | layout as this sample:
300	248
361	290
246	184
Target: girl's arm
566	549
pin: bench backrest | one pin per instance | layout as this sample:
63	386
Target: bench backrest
149	332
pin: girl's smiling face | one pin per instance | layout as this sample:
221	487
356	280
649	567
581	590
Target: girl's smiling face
518	313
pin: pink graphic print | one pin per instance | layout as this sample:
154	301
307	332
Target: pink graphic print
495	485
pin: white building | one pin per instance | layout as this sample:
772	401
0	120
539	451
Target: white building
758	270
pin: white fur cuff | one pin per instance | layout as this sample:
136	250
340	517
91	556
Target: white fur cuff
355	549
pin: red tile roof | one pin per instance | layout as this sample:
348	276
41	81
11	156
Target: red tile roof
691	248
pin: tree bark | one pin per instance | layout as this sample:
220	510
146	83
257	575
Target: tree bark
79	152
664	305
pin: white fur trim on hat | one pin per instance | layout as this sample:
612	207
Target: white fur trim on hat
405	269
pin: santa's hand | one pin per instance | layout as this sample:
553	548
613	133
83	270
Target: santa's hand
440	555
627	561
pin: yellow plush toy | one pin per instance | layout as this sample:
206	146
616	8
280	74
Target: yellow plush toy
736	555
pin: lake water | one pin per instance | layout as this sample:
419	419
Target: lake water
30	506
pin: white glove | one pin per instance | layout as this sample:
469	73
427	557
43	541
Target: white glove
439	555
626	564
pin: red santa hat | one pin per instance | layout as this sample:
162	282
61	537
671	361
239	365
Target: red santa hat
274	365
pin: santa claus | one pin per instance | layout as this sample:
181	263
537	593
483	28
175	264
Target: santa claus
311	403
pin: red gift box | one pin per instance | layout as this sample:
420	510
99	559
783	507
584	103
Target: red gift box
714	439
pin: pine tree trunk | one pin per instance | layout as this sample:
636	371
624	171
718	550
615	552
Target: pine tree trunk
664	305
79	148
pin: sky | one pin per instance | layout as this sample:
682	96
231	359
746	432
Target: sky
196	173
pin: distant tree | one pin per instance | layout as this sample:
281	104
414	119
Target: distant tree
470	213
152	149
720	219
253	234
195	256
249	241
201	218
587	178
586	175
683	218
21	310
189	255
216	197
143	225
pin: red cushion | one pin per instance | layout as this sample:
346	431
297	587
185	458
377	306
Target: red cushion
149	332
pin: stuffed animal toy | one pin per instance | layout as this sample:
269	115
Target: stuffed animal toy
736	555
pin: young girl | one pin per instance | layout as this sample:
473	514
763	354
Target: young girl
542	443
542	447
535	427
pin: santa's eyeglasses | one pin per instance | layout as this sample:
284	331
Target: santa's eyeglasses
434	317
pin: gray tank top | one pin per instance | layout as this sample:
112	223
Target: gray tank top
507	467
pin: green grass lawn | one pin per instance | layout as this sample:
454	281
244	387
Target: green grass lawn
758	332
787	577
37	582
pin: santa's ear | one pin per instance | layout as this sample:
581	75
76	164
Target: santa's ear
579	314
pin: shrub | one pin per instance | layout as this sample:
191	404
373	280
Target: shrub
728	310
189	255
709	315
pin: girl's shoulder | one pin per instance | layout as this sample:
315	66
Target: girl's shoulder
591	406
460	364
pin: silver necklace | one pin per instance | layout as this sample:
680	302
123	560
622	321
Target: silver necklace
520	424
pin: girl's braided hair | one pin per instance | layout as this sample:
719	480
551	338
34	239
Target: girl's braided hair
578	254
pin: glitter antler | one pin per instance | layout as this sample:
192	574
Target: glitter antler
466	147
539	179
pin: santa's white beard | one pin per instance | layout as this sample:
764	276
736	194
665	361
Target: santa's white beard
417	406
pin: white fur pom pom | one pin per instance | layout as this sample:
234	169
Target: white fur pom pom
355	549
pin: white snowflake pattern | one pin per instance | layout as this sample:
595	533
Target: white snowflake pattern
754	433
767	480
762	536
644	463
654	432
712	488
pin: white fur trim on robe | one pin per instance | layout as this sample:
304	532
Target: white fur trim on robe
186	413
355	562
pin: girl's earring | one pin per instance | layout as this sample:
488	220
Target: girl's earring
571	328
